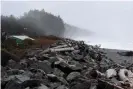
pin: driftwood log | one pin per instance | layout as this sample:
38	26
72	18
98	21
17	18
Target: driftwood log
123	75
60	46
56	50
61	49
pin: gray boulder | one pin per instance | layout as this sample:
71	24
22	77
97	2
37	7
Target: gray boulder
72	76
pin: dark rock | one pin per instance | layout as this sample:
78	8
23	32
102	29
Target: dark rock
75	66
6	56
62	87
67	68
75	51
78	57
47	62
43	57
58	72
23	64
63	67
3	73
33	52
41	71
18	78
52	77
103	84
72	76
128	53
87	73
31	83
43	66
33	58
63	81
12	84
30	63
52	59
83	85
33	70
77	69
38	75
11	63
3	84
15	72
93	73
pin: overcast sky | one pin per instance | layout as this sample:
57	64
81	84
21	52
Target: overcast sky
112	20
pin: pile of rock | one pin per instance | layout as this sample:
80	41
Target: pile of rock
67	64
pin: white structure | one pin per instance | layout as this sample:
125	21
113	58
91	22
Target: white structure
21	37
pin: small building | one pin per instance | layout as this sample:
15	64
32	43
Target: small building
20	38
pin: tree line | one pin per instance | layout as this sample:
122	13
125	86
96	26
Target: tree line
33	23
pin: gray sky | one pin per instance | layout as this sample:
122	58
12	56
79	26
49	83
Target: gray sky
113	21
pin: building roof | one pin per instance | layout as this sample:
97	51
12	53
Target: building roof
22	37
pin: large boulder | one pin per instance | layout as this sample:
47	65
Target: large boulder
43	66
68	68
12	84
83	85
72	76
62	80
31	83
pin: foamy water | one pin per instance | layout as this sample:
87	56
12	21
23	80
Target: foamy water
113	45
106	42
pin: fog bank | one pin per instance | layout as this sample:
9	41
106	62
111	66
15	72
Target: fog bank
106	42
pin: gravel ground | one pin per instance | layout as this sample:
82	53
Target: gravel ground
112	53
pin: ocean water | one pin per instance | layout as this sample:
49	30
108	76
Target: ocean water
106	42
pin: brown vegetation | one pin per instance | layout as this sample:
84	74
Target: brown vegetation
20	50
44	41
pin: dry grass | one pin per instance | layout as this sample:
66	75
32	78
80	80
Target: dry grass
44	41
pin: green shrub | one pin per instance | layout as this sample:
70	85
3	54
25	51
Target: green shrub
9	44
28	42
